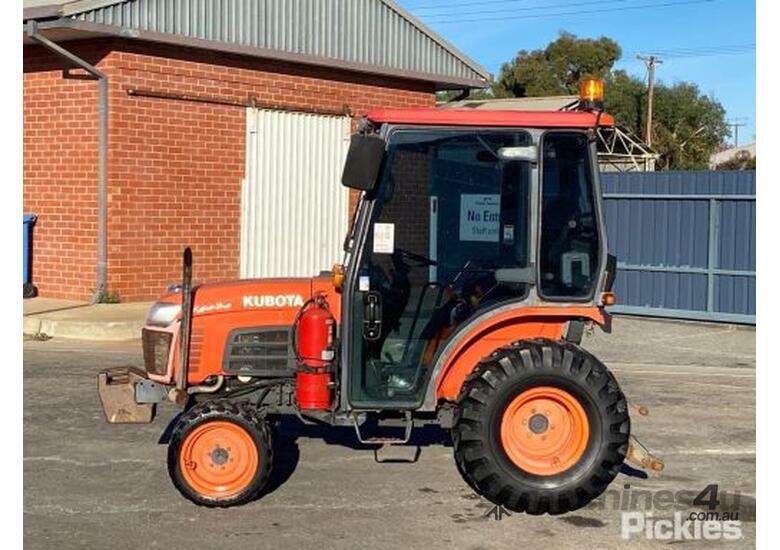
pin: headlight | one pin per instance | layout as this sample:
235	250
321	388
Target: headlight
163	314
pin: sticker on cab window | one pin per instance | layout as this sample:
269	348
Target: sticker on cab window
384	238
509	233
479	217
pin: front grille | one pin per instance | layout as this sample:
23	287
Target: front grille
157	347
260	352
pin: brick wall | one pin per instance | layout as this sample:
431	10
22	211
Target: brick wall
175	165
60	171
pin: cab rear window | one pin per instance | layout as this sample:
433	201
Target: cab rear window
569	247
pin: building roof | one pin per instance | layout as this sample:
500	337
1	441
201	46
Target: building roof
548	103
375	36
471	117
743	151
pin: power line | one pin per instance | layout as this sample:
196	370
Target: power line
687	56
546	7
737	49
579	12
447	5
703	51
708	48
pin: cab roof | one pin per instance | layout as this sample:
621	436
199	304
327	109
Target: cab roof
475	117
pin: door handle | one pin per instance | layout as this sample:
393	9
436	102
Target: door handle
372	315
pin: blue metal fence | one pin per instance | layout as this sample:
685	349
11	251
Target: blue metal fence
685	243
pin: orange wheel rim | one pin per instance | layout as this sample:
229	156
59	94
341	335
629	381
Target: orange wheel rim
218	459
545	431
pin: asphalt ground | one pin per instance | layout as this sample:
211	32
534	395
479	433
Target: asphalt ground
88	484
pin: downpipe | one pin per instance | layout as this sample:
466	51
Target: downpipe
102	82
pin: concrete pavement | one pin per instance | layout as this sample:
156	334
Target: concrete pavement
47	317
93	485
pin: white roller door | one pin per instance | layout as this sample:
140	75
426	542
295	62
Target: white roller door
293	206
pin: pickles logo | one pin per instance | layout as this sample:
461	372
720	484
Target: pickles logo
279	300
678	516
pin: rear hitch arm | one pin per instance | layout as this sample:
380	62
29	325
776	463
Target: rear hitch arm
638	455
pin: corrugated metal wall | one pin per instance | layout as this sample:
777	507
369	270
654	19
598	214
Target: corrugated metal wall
294	210
372	32
685	243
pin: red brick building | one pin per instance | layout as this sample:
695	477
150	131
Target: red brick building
226	125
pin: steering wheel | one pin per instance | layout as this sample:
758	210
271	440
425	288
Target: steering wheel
422	260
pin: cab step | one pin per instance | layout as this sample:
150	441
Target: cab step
407	423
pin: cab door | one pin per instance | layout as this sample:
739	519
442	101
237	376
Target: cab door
448	212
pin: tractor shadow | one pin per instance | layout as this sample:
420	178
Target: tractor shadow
287	451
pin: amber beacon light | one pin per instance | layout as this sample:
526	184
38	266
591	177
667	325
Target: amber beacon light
592	93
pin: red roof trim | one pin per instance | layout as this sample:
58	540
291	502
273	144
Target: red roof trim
479	117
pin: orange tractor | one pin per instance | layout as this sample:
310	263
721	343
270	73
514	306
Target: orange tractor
476	258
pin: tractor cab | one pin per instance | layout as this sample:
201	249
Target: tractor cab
463	213
476	257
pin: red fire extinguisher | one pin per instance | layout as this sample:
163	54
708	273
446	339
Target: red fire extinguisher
314	331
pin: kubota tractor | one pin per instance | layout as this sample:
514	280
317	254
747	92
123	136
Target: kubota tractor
476	258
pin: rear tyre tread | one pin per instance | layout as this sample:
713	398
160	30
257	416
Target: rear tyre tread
474	452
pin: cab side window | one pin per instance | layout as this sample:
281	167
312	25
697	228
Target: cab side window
569	251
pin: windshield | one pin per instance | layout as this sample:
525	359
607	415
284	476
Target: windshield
450	211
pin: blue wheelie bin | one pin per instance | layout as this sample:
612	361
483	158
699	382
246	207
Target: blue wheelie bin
29	290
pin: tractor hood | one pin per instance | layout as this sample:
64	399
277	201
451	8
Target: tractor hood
257	295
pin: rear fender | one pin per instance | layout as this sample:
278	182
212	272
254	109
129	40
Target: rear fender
491	331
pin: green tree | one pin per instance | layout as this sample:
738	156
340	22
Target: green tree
625	98
688	126
558	69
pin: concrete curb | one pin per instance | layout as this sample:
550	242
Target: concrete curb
57	318
83	330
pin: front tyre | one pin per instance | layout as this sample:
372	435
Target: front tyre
541	427
220	454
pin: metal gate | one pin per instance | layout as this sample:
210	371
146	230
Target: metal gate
293	206
685	243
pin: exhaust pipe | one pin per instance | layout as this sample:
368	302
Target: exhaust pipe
180	394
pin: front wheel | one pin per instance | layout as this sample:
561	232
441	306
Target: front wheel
541	427
220	454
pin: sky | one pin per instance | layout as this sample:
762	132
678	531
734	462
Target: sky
708	42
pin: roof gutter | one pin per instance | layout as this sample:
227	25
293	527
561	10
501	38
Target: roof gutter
102	82
42	12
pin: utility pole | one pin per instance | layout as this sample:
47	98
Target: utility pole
736	124
650	61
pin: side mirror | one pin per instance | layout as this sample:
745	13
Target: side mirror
529	153
364	158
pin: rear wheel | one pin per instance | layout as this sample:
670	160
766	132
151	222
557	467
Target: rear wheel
220	454
541	427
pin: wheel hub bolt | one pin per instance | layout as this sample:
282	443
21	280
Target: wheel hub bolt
219	456
538	423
